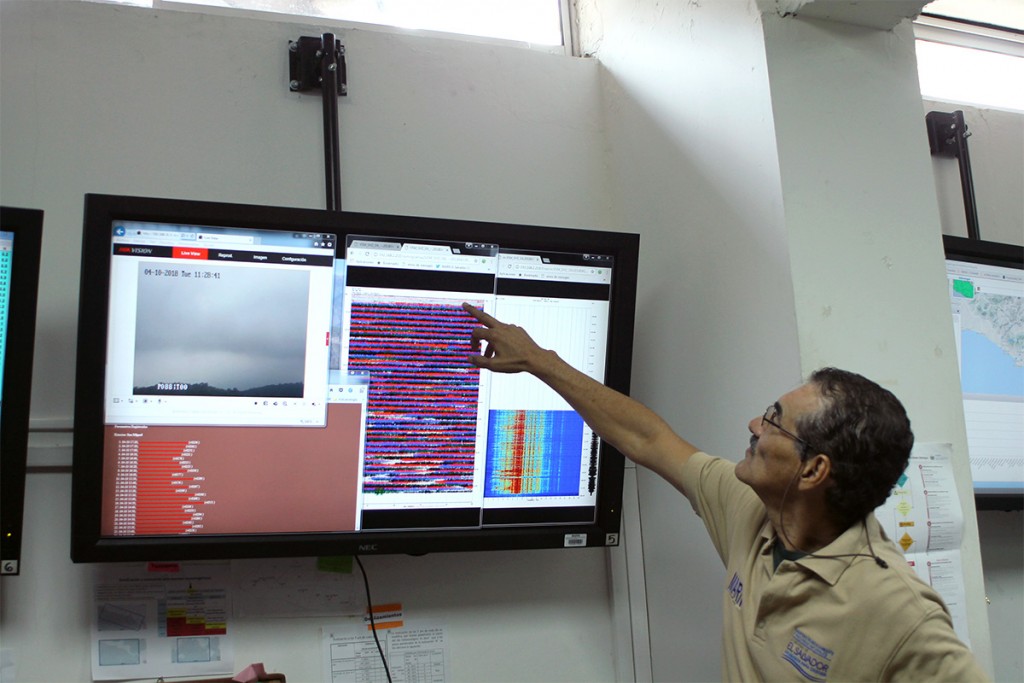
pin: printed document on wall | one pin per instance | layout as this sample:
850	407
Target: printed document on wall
415	653
923	517
161	620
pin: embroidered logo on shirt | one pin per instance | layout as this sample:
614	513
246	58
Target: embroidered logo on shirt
810	659
736	590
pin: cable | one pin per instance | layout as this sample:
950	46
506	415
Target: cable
373	623
782	527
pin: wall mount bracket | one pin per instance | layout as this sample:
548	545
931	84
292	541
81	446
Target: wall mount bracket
306	64
319	64
947	137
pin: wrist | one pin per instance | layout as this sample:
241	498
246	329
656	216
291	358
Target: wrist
544	364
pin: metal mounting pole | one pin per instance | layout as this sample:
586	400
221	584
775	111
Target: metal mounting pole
947	137
329	93
320	63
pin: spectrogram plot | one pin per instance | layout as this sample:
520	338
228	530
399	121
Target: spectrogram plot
533	453
422	405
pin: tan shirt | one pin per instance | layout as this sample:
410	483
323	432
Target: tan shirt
820	619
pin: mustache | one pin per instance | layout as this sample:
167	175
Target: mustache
753	443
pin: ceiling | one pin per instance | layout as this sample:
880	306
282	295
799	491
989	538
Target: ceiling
1006	13
885	14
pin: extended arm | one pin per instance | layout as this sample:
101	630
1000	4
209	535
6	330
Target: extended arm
635	430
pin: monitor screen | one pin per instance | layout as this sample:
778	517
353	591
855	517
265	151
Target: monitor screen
986	289
20	243
265	381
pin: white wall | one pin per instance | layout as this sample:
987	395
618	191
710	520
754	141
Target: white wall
98	98
1002	555
197	106
671	132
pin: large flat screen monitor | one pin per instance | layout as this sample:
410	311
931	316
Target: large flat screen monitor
986	289
20	242
265	381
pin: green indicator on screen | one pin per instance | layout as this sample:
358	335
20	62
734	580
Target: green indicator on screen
964	288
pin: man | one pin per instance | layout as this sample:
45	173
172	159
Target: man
814	589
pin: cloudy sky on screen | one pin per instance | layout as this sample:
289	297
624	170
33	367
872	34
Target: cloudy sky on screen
245	329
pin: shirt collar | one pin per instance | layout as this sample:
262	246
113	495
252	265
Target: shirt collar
851	541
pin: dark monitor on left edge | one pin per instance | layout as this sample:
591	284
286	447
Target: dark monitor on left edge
20	246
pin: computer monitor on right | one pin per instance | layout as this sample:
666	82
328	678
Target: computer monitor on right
986	289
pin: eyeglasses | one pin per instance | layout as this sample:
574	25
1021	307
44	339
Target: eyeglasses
771	415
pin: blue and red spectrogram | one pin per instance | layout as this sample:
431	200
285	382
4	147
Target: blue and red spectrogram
534	453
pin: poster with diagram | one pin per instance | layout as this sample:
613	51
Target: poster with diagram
922	515
161	619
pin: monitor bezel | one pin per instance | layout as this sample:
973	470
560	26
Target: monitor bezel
27	226
994	254
87	543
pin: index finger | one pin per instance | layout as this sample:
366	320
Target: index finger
479	315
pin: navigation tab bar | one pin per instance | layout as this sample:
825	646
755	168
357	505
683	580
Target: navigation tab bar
224	255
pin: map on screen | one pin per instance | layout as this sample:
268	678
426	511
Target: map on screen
988	314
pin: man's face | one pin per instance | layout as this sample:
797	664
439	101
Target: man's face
774	456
